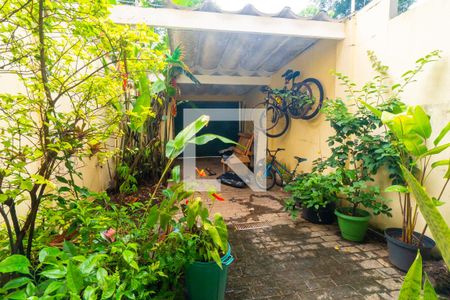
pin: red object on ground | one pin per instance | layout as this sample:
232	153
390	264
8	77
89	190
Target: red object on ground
218	197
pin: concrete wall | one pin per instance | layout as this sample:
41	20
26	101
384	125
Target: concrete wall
398	41
308	138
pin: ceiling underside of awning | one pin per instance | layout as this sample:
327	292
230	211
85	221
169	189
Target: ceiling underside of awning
215	89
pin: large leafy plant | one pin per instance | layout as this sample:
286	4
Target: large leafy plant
412	287
314	190
361	145
65	55
207	238
150	108
111	250
412	130
186	136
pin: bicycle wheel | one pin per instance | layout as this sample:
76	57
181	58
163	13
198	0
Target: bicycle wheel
276	120
279	180
264	177
307	99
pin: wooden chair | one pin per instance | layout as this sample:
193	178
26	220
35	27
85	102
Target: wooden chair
243	151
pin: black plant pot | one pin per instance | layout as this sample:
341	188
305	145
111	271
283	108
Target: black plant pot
323	215
401	254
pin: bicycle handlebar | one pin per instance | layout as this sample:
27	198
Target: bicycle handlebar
278	149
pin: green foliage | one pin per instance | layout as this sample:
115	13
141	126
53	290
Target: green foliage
69	273
342	8
188	3
362	145
412	285
360	148
188	136
15	263
208	239
438	227
145	259
313	190
65	56
359	192
149	112
409	130
101	249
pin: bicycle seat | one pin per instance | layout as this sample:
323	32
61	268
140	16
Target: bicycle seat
292	75
300	159
285	74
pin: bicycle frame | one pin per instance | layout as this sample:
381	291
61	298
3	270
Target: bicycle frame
276	166
283	105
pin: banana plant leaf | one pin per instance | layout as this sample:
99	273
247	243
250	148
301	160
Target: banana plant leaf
438	227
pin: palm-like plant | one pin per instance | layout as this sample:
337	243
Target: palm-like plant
175	67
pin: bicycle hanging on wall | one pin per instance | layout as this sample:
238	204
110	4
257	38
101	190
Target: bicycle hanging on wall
302	100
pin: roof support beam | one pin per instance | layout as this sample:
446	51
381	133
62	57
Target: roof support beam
226	80
223	22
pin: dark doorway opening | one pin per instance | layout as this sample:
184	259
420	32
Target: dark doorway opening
228	129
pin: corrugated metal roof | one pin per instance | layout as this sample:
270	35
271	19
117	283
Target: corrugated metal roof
249	9
237	54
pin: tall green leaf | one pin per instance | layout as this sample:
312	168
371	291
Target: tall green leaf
422	125
438	227
442	134
372	109
176	146
141	107
428	291
412	286
206	138
74	279
214	234
435	150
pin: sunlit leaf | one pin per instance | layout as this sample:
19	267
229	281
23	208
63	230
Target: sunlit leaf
412	285
15	263
442	134
438	227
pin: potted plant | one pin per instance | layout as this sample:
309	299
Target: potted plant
316	194
353	221
207	243
358	151
411	130
361	143
413	286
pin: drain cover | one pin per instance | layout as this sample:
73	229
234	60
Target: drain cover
251	225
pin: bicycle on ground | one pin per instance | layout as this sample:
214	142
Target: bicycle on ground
275	172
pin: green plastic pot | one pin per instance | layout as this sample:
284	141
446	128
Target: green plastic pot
206	280
352	228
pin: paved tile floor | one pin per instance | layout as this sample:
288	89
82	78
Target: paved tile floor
296	259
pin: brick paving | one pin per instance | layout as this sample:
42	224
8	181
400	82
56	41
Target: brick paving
297	259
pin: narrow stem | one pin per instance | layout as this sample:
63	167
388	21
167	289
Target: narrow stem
163	175
443	189
422	234
8	228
